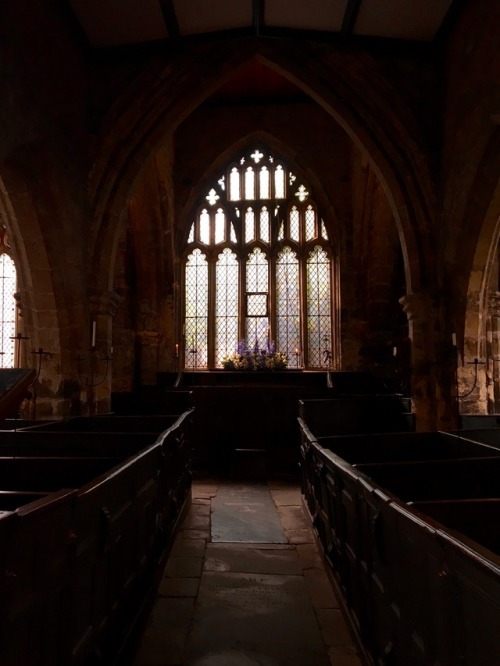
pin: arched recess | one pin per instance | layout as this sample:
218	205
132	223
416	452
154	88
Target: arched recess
352	90
144	119
215	164
220	159
50	318
479	259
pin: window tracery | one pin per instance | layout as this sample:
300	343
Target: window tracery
258	266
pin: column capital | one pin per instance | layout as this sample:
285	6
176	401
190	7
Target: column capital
417	306
494	303
104	302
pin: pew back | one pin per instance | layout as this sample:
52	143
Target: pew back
77	564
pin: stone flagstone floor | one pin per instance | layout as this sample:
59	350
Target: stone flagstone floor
245	604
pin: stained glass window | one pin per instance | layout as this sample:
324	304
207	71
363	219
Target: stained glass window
8	286
196	318
319	328
288	306
226	305
269	280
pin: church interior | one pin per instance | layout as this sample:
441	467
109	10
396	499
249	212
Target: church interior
235	213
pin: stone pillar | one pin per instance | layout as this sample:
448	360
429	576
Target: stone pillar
432	364
149	345
103	306
493	352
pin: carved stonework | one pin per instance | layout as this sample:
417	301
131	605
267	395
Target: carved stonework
494	303
416	306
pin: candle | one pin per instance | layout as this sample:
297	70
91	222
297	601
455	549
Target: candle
111	350
176	350
394	351
93	333
454	339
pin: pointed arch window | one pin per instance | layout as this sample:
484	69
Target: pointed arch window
258	266
8	288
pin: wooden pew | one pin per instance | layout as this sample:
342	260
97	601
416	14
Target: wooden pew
63	443
469	518
152	401
419	588
110	423
357	414
77	565
461	478
395	447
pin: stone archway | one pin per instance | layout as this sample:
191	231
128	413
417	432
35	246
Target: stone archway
479	382
50	322
153	113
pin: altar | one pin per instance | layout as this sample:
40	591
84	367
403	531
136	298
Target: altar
247	414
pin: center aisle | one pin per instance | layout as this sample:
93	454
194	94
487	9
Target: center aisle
244	586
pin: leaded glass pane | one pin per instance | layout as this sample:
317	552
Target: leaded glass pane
249	183
249	225
226	305
319	324
257	283
196	304
256	305
279	182
205	227
8	310
220	226
254	176
233	233
264	184
281	232
265	225
310	223
288	306
212	197
294	224
324	233
234	185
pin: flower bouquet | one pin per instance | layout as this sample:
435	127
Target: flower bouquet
245	358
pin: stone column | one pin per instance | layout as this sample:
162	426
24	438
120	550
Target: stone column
432	364
103	306
149	346
493	352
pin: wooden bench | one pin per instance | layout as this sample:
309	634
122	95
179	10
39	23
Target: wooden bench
353	414
77	564
419	579
461	478
397	447
62	443
474	519
152	401
110	423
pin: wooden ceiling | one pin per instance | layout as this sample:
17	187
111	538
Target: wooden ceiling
119	23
